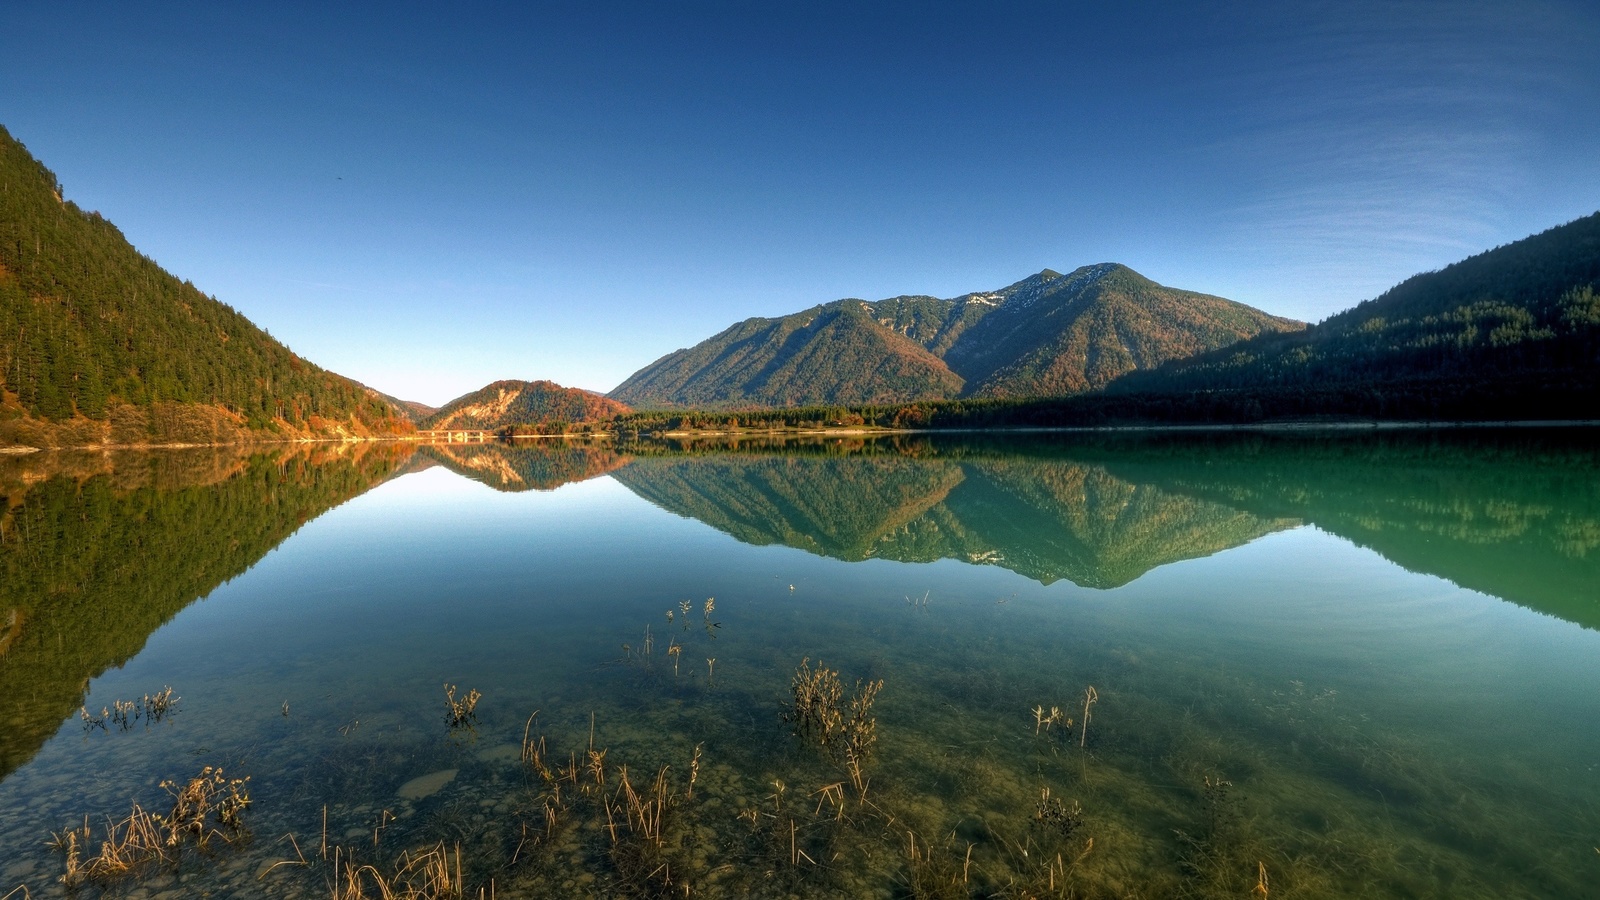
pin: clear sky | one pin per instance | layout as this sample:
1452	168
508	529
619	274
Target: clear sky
428	197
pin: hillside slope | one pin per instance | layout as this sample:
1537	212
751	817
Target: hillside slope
1045	335
1078	332
832	354
1525	314
505	404
100	344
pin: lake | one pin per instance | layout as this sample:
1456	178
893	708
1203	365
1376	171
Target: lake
1319	664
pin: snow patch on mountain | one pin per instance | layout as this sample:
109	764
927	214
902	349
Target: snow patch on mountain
1029	291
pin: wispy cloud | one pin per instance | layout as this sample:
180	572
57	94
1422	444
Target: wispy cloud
1378	139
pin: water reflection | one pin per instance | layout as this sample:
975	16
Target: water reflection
524	465
97	551
1048	519
1354	731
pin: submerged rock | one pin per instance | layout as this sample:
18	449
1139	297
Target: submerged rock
427	785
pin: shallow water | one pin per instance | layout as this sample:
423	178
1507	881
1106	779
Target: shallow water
1324	666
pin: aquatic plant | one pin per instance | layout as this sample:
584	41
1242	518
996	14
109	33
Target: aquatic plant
1052	814
460	712
1090	697
820	715
205	807
1217	859
207	796
156	706
125	714
431	874
1044	722
932	873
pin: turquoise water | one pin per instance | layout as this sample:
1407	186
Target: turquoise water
1299	690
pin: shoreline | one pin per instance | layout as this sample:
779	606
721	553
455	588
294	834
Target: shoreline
1368	425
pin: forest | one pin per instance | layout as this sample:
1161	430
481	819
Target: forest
92	329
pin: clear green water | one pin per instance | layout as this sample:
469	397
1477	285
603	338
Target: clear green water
1364	666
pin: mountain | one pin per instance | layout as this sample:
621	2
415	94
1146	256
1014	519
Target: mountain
98	344
414	412
1052	336
509	404
837	353
1048	334
1516	325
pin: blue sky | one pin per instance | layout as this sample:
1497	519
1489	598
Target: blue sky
428	198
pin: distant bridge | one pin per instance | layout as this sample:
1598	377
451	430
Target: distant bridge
457	436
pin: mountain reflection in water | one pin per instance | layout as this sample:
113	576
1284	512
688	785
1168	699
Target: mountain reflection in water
99	550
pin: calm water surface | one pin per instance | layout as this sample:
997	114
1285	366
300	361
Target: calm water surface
1322	666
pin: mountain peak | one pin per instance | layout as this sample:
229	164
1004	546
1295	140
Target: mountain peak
1049	334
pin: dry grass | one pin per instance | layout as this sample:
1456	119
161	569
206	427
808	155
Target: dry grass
431	874
206	807
462	712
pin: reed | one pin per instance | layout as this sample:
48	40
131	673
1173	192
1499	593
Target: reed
932	874
463	711
205	807
831	795
299	860
431	874
1050	813
1044	723
533	752
1090	698
210	795
158	705
816	711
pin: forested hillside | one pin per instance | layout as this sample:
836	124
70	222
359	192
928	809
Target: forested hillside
1078	332
1524	316
835	353
99	343
1047	335
529	406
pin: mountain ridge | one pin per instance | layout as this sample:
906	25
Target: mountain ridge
1046	334
1529	308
